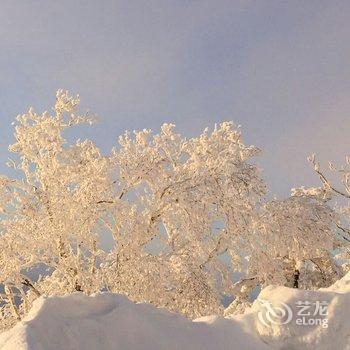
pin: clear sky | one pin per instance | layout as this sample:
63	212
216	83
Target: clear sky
278	68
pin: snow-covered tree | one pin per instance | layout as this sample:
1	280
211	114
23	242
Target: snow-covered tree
179	205
340	194
291	244
50	213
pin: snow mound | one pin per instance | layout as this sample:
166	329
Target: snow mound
111	321
327	328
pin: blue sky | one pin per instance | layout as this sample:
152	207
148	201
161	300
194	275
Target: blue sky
278	68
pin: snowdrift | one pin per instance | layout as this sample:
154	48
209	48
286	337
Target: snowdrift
110	321
313	330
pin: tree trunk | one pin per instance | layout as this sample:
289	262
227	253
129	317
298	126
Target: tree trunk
296	278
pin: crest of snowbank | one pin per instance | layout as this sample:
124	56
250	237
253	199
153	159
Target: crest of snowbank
110	321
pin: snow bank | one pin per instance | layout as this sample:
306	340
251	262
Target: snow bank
326	330
110	321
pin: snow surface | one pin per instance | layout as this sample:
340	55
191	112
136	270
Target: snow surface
110	321
292	336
